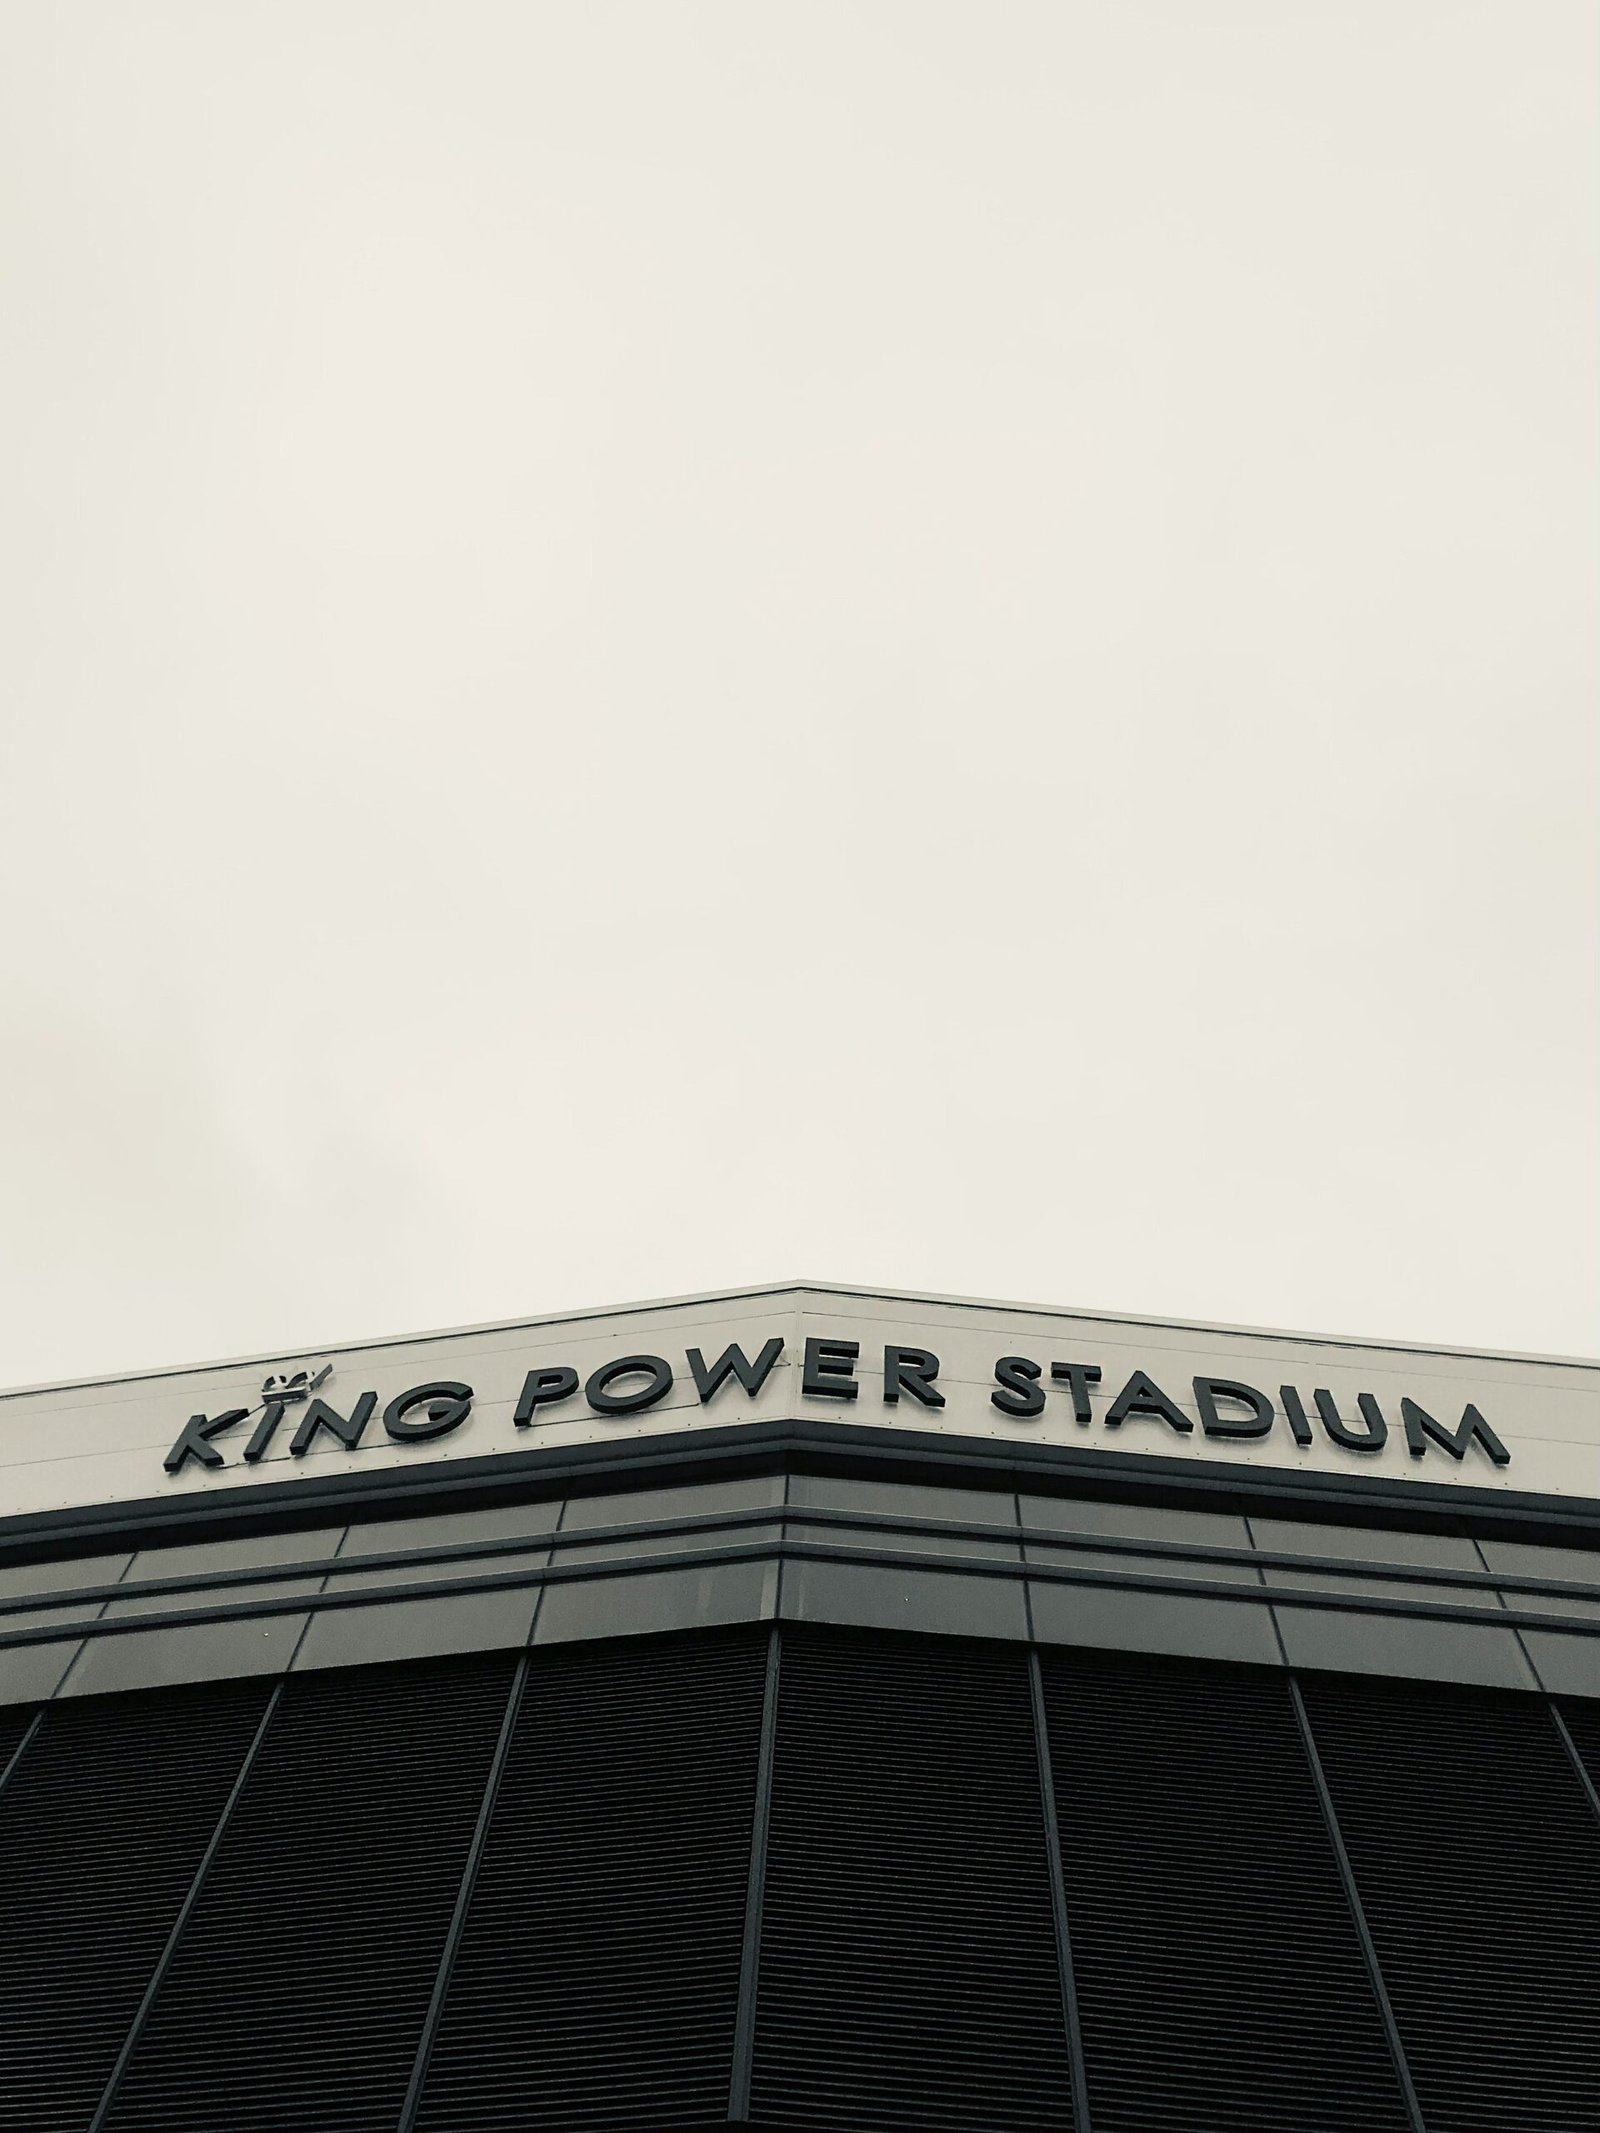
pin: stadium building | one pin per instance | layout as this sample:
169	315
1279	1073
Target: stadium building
804	1708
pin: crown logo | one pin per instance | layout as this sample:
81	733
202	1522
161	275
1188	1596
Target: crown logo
287	1387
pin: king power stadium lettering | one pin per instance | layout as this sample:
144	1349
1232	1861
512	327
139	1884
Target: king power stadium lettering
1228	1410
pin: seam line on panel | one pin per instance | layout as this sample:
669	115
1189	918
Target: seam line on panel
1567	1742
130	2042
66	1671
539	1591
744	2026
458	1918
783	1545
1272	1612
1358	1913
1077	2066
1022	1557
21	1749
1506	1609
97	1616
311	1610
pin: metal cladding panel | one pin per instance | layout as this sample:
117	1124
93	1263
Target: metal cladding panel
298	1989
597	1980
908	1961
103	1821
1477	1857
1219	1972
1093	1389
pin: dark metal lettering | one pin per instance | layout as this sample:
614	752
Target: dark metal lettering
1080	1376
195	1441
829	1370
911	1370
1142	1397
1294	1408
733	1363
1372	1439
1257	1423
656	1370
319	1415
1421	1425
265	1430
448	1403
1018	1392
542	1388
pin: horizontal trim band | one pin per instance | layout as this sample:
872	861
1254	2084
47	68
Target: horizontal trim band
535	1469
1254	1594
1490	1581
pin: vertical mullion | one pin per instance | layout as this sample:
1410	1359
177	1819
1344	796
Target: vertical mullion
164	1962
458	1919
744	2027
22	1747
1391	2027
1564	1737
1058	1901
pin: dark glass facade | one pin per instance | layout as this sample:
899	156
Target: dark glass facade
823	1877
809	1785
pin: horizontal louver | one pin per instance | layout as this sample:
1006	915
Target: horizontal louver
296	1996
102	1826
597	1980
908	1966
1219	1972
1478	1863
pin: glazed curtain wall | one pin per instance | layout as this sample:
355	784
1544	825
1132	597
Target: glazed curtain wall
807	1878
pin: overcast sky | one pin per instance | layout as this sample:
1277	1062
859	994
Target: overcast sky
649	647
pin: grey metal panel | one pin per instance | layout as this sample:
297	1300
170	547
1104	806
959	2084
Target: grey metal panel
695	1499
872	1596
448	1529
255	1551
419	1629
61	1575
31	1672
207	1651
1340	1640
26	1579
884	1540
1529	1559
1136	1521
1131	1564
1552	1603
161	1603
1566	1665
1485	1595
203	1651
630	1547
897	1499
883	1593
70	1617
1366	1544
451	1567
647	1601
1533	1559
1188	1626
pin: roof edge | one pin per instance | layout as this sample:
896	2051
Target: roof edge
794	1289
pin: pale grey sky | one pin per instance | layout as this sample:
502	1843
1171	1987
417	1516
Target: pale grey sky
650	646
